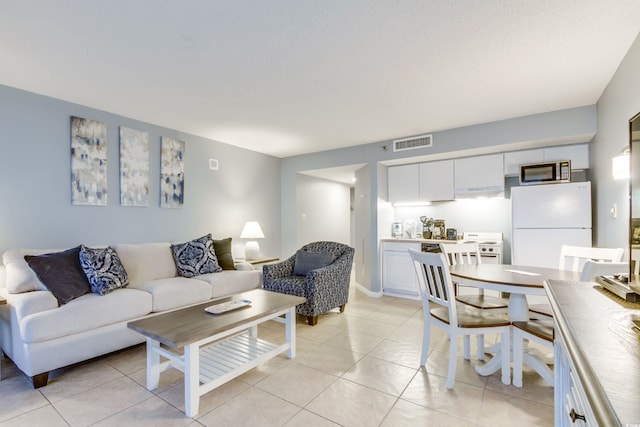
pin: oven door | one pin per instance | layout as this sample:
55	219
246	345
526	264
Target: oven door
490	258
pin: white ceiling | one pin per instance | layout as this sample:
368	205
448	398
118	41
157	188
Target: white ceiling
288	77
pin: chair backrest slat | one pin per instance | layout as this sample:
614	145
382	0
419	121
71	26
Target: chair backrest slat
573	258
461	253
435	282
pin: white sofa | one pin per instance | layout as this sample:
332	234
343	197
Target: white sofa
39	336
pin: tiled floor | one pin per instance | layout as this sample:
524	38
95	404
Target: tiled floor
358	368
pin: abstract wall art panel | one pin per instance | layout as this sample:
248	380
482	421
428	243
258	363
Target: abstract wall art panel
134	167
88	162
172	173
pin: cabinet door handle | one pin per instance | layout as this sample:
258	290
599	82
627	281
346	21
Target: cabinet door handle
576	416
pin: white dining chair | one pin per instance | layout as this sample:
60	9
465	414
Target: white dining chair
469	253
592	269
436	287
539	331
574	258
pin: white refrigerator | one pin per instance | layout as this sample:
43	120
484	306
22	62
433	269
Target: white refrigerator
545	217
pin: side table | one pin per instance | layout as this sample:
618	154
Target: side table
256	261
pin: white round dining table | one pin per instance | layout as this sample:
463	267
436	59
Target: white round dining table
518	281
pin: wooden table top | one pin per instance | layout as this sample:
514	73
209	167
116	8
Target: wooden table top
511	275
191	324
604	345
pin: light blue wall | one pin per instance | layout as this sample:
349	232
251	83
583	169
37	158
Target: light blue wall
575	125
35	195
619	103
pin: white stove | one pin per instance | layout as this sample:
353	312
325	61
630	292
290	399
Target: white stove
490	245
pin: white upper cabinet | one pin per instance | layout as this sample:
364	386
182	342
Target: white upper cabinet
513	160
436	181
479	175
404	182
577	153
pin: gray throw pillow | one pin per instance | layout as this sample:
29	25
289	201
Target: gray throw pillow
103	269
61	273
195	257
306	261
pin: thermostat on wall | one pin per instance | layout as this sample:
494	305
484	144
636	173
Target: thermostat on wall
213	164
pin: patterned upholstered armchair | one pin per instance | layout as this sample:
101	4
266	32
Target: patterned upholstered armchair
324	288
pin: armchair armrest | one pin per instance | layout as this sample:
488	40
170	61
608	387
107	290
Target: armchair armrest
278	270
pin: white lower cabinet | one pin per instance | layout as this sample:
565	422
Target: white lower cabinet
571	405
398	274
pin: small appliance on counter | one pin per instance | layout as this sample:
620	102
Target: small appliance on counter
411	229
397	229
438	229
452	234
427	227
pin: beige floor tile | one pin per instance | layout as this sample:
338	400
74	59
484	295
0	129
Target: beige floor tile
407	414
252	407
296	383
264	370
438	364
67	382
101	402
307	419
45	416
320	332
381	375
18	397
500	410
350	404
208	401
534	387
168	379
151	412
329	359
354	341
402	353
428	390
129	360
372	327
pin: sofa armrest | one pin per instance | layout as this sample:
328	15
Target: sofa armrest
244	266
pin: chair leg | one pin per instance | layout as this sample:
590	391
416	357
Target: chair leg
425	343
453	359
313	320
466	342
342	308
505	344
480	340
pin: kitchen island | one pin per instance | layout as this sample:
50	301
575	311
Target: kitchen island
597	356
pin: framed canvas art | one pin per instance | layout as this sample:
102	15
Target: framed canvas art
88	162
134	167
172	173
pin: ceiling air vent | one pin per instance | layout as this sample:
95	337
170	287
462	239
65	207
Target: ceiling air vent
413	142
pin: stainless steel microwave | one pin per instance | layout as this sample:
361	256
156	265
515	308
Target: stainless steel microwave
545	173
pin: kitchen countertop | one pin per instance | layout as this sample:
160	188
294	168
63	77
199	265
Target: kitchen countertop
596	326
406	240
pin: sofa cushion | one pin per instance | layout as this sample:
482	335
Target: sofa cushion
195	257
103	269
85	313
307	261
175	292
222	249
146	261
229	282
19	277
61	273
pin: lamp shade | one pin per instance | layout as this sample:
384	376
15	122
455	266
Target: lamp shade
252	230
620	165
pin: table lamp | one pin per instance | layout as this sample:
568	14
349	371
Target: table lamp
252	230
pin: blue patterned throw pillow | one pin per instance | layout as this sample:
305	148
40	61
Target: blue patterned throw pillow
195	257
307	261
103	269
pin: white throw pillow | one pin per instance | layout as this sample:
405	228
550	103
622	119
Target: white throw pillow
147	261
19	276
